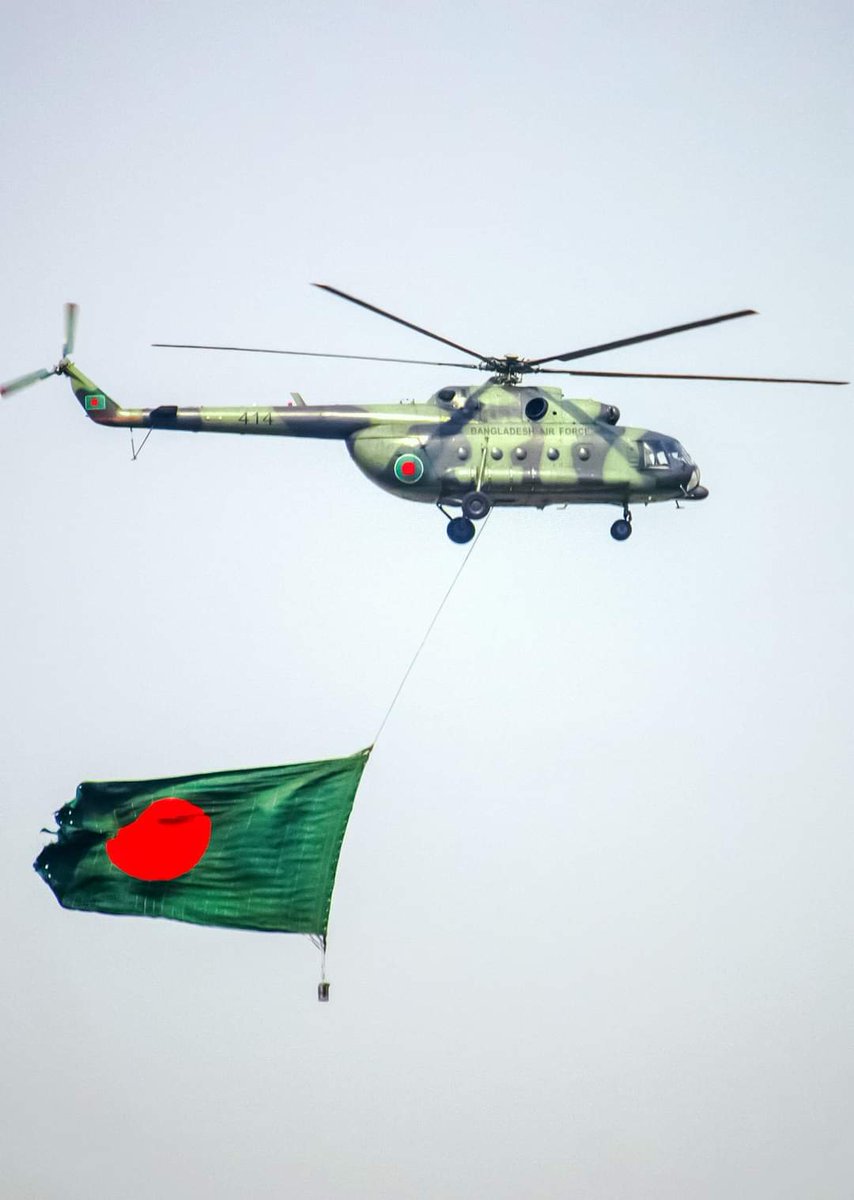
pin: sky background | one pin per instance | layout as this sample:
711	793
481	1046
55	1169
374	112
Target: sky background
591	934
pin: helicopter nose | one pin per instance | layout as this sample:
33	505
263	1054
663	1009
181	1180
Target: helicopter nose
694	490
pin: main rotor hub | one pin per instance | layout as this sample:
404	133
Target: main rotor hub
508	369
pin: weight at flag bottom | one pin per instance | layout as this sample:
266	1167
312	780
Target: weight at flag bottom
254	849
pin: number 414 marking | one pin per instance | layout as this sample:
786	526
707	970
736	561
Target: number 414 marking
256	418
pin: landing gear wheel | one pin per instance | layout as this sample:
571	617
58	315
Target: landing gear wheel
475	506
621	530
460	530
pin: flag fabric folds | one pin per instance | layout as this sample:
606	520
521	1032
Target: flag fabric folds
253	849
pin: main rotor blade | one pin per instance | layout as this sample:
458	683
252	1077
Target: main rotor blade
642	337
314	354
400	321
71	311
724	378
24	381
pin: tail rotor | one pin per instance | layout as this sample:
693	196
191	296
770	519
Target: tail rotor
25	381
71	311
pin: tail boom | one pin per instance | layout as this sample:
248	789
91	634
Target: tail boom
275	421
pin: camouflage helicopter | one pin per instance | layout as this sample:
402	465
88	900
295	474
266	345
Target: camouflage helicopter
500	443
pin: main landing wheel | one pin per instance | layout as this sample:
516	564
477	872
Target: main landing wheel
460	530
621	530
475	506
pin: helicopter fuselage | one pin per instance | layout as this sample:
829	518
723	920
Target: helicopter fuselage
520	446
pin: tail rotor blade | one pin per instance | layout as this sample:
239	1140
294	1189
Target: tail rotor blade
70	329
24	381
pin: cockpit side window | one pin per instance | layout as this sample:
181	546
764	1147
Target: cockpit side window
655	454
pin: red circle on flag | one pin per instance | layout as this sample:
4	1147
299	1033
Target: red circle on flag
407	467
166	840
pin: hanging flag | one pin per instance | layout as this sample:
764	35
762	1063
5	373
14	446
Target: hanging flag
251	849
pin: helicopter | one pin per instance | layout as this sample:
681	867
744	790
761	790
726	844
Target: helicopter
500	443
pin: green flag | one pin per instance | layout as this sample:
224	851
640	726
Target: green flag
253	849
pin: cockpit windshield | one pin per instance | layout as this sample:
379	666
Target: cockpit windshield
679	454
661	453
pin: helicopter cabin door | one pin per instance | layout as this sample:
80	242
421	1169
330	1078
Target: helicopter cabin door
509	469
456	460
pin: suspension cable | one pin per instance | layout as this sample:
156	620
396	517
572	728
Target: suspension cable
429	629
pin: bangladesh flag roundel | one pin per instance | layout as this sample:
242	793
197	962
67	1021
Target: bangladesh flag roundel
253	849
409	468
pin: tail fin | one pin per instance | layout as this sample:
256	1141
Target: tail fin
95	403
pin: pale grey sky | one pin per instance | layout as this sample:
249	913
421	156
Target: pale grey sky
592	930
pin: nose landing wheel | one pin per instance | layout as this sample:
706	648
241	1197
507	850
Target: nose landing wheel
621	530
460	530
